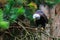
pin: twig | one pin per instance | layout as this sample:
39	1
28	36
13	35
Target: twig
23	28
20	24
47	35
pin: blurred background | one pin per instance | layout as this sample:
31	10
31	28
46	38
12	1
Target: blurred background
17	23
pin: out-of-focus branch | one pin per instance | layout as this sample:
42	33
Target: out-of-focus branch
20	24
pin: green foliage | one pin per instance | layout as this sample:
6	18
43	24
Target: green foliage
7	9
4	24
29	13
57	1
10	14
20	2
15	12
1	15
12	18
52	2
11	2
21	11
